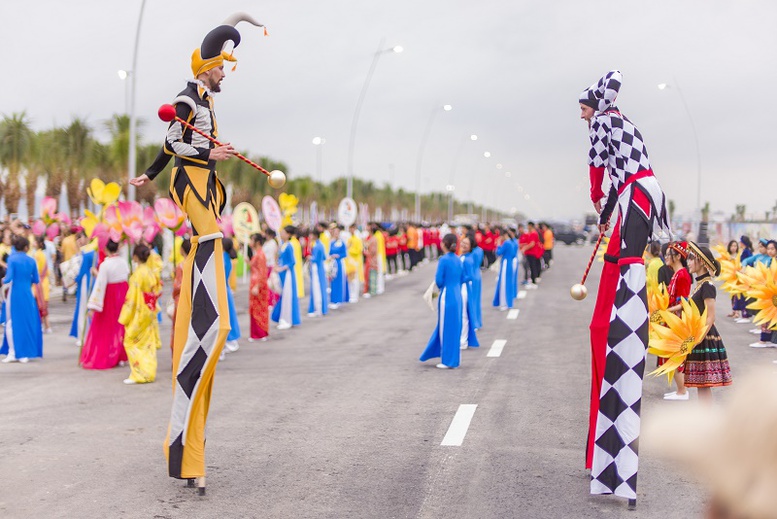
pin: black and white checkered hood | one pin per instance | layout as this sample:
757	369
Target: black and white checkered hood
601	95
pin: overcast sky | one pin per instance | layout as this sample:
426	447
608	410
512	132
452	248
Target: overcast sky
512	70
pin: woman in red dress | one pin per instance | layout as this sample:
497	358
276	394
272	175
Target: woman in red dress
679	288
259	299
104	343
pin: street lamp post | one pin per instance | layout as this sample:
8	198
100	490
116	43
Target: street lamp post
472	137
352	142
123	75
319	142
420	158
664	86
450	188
133	120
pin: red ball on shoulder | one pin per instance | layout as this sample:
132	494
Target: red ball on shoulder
166	113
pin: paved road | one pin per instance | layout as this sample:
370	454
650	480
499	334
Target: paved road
338	419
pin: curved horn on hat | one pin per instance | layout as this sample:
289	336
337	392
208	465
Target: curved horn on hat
234	19
214	41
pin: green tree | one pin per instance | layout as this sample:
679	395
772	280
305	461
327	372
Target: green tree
15	147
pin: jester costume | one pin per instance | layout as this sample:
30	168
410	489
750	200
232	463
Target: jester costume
619	326
202	319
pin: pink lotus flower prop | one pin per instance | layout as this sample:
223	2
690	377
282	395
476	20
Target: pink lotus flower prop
150	224
168	214
48	210
131	217
225	224
38	228
52	231
112	223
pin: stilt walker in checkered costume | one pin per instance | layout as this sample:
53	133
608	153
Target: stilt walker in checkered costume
202	320
619	327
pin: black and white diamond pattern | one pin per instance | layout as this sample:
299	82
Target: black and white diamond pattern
615	459
617	145
200	343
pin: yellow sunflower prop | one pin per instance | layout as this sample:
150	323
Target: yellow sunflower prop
764	290
680	335
729	267
658	300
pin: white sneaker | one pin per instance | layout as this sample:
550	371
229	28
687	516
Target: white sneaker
283	325
670	394
742	320
312	314
129	381
231	346
760	344
334	306
367	295
442	366
464	346
9	359
755	331
502	308
24	360
675	396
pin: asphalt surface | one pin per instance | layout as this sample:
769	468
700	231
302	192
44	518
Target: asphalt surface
338	419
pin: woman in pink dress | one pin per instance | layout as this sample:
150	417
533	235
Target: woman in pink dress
104	344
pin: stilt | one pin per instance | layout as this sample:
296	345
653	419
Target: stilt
201	486
632	504
190	483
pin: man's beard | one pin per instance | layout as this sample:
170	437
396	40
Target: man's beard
215	88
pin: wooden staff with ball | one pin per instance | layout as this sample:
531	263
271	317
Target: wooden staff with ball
275	178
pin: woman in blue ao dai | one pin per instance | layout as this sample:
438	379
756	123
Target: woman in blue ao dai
84	287
234	333
505	283
468	336
286	310
23	337
476	284
318	296
446	337
338	252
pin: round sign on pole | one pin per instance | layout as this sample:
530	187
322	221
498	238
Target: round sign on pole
271	212
346	212
245	221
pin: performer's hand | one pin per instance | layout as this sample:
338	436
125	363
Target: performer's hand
139	181
598	206
604	227
222	152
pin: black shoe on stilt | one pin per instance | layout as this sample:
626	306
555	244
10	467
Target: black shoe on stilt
201	486
632	504
190	483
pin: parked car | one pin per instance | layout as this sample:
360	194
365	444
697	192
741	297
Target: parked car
568	235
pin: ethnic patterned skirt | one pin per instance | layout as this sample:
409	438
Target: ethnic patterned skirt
707	365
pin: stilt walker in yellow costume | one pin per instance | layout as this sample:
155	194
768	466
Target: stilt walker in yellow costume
202	321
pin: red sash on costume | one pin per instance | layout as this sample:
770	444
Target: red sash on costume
150	300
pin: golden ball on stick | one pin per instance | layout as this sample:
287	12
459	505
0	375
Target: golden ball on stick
277	179
578	292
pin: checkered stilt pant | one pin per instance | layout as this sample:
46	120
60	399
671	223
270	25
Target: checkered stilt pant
203	319
615	456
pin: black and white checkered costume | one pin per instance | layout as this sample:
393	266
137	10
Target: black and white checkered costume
617	146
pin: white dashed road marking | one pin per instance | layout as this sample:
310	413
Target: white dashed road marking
458	429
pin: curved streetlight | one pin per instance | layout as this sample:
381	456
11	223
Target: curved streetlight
420	158
397	49
472	138
319	142
664	86
133	129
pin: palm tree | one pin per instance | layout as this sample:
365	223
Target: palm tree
79	143
52	148
16	140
